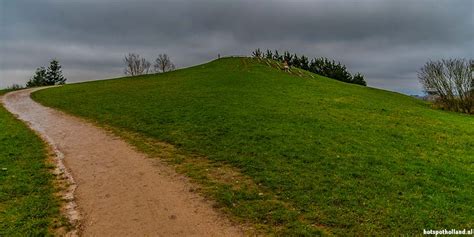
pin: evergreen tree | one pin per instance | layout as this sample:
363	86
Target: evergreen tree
287	57
331	69
257	53
277	56
54	74
39	79
304	63
295	61
322	66
269	54
359	79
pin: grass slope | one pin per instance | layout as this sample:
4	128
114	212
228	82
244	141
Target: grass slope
347	159
28	206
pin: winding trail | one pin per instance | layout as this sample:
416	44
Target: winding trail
119	191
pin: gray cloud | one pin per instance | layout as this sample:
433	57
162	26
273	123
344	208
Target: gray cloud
385	40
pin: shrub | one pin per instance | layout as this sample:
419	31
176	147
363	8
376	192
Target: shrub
451	82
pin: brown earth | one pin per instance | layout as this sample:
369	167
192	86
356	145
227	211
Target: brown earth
116	190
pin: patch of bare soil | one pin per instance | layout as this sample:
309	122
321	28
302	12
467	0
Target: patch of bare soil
118	190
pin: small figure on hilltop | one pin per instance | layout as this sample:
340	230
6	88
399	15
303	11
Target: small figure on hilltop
285	66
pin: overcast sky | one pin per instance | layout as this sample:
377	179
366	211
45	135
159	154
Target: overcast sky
387	41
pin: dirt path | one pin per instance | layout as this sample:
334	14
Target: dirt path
120	192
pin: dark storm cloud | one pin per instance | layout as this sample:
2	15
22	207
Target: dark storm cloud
386	40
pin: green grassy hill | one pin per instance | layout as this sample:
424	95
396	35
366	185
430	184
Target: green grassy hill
325	156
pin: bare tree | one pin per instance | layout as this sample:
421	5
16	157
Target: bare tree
451	81
146	65
163	63
134	65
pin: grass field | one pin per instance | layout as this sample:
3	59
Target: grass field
325	156
28	206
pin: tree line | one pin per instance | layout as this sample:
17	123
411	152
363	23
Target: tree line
321	66
52	75
450	82
136	65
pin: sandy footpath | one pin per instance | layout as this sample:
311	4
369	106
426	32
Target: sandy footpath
119	191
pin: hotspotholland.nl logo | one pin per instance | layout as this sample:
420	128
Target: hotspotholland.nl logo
448	232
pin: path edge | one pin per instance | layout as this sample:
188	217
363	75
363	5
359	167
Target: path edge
67	185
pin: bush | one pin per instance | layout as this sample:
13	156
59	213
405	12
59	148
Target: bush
451	82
